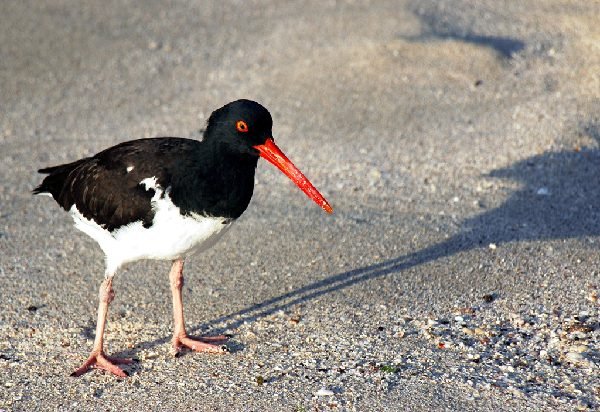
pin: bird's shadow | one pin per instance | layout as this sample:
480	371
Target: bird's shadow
558	199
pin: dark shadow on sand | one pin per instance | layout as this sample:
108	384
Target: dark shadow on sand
559	199
436	27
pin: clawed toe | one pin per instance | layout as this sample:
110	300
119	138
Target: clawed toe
100	361
212	344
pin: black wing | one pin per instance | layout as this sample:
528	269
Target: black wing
106	187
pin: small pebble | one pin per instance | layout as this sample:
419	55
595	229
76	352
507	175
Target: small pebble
324	392
150	355
153	45
574	357
488	298
480	332
579	349
543	191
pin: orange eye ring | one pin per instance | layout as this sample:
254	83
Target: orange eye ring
241	126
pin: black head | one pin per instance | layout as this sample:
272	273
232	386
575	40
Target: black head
240	126
244	127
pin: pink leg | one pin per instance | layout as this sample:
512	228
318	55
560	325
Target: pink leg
180	337
97	357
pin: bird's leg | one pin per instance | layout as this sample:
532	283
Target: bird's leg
180	337
97	357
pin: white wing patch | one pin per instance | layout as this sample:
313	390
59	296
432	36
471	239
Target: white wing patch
171	235
129	169
45	194
150	183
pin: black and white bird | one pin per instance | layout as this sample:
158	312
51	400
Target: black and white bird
166	198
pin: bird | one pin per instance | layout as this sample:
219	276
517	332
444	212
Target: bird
166	198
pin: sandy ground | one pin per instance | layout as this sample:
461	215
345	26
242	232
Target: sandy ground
457	141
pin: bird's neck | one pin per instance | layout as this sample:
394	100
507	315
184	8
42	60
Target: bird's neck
220	183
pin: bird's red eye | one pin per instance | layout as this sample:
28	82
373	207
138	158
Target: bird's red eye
241	126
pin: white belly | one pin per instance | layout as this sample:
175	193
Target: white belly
170	237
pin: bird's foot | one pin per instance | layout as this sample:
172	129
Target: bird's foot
99	360
209	344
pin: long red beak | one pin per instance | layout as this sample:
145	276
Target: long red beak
273	154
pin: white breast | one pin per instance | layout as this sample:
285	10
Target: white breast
171	235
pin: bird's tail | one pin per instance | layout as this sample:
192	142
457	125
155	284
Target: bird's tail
54	183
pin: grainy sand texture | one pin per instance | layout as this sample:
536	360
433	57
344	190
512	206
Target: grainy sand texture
458	142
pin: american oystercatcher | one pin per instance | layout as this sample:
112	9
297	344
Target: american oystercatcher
165	198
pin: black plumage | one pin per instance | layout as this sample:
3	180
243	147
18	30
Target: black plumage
166	198
212	177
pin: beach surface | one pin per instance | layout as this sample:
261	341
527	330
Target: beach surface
457	141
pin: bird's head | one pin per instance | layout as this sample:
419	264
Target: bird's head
245	127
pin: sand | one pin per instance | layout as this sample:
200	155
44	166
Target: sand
458	143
